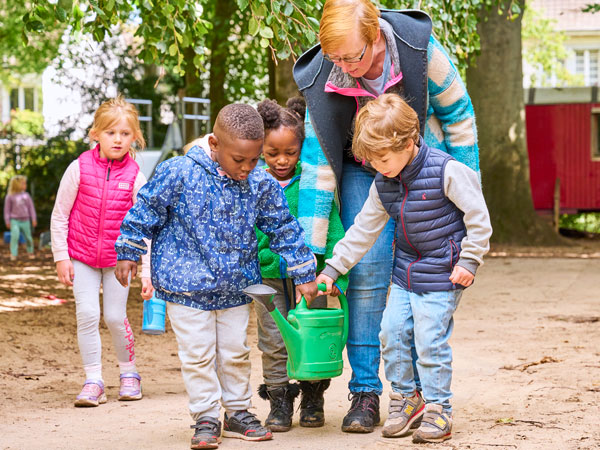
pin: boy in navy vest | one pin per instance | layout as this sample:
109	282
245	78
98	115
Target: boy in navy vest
442	233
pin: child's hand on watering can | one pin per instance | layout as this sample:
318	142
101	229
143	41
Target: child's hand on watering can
308	290
331	289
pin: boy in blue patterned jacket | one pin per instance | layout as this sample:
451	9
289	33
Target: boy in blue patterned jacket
200	211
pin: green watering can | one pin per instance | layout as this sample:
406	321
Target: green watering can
314	338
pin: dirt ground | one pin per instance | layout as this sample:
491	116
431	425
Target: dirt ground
526	366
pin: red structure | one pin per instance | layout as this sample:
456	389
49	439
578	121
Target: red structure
563	140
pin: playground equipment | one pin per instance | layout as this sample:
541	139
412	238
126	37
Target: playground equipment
195	122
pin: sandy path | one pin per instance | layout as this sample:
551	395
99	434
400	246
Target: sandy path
526	359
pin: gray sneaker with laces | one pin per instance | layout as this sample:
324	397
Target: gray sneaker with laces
404	414
436	425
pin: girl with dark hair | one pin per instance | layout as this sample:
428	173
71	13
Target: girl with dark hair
284	135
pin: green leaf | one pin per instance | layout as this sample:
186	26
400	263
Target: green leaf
161	45
264	43
260	10
173	49
314	22
289	8
284	53
242	4
266	32
110	4
253	26
181	25
60	14
35	25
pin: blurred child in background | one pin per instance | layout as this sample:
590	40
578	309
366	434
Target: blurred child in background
19	215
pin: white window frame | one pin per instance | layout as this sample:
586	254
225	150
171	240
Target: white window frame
586	63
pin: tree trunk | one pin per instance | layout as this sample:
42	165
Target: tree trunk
281	81
219	49
495	83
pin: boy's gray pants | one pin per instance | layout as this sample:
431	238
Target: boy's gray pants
270	342
215	358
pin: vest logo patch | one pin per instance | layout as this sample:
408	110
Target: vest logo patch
423	196
123	185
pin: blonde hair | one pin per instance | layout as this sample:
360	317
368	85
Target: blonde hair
14	185
341	17
114	110
387	123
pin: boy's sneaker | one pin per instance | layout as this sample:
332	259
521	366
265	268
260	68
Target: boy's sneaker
363	415
92	394
435	427
207	433
131	387
405	413
245	425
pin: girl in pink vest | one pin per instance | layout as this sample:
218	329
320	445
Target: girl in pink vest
95	193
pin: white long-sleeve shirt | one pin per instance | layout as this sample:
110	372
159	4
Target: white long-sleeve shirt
461	186
65	198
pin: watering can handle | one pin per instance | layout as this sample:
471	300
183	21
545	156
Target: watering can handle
343	304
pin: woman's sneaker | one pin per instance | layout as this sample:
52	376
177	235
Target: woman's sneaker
207	433
131	387
92	394
405	413
245	425
436	425
363	415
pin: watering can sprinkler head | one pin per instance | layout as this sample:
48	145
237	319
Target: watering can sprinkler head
261	293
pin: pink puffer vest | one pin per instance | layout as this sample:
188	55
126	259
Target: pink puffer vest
105	195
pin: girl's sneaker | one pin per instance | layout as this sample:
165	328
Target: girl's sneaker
245	425
435	427
92	394
131	387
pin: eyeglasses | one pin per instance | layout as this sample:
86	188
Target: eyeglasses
353	60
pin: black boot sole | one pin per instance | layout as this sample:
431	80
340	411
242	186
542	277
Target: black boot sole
312	424
278	428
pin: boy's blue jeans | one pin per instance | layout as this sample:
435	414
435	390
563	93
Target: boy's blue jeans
368	285
428	318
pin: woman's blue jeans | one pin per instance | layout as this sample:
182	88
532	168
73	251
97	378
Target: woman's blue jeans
368	286
427	319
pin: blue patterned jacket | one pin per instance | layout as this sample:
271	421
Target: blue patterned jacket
204	247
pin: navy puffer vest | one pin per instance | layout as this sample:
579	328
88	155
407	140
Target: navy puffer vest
429	227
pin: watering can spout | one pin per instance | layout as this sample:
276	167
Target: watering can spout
264	294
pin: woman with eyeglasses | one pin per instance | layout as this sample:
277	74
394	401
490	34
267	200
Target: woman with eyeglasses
363	53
